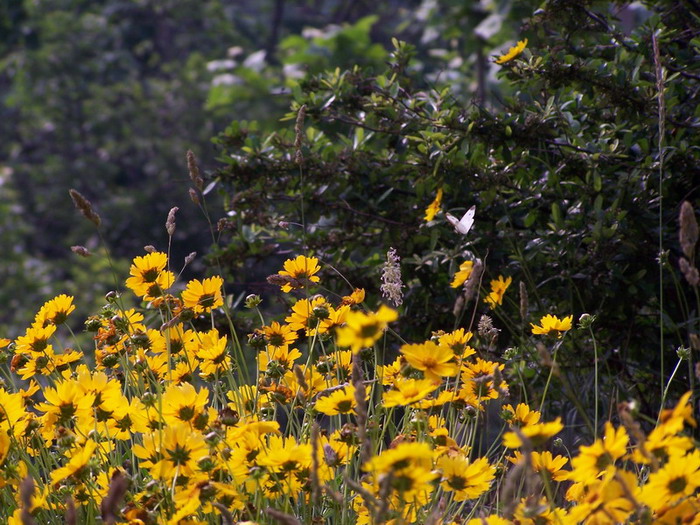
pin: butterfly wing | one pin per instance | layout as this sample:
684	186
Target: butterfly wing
466	222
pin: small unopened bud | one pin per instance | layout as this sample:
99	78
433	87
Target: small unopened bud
252	301
283	224
111	297
683	353
194	170
170	222
149	248
85	207
194	197
80	250
190	258
558	442
585	321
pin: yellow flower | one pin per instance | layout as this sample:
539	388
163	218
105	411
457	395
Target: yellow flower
468	480
55	311
176	450
149	278
551	323
434	207
363	330
314	316
521	415
680	477
340	401
498	289
408	391
403	456
434	361
278	336
203	296
608	501
601	455
457	342
78	461
512	53
465	270
545	462
300	272
356	297
536	434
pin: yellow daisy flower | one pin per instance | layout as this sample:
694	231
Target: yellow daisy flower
537	434
465	270
468	480
434	361
408	391
551	323
598	457
680	477
341	401
363	330
434	207
203	296
498	290
512	53
300	272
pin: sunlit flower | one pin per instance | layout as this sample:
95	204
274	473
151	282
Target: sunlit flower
212	350
312	316
551	323
278	336
457	342
536	434
203	296
434	361
468	480
149	278
513	52
607	501
300	272
356	297
78	460
363	330
434	207
465	270
341	401
521	416
594	459
544	462
680	477
175	450
498	289
408	391
55	311
403	456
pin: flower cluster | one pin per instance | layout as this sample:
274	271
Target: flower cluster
163	421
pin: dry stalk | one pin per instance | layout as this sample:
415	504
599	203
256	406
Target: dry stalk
361	409
110	504
26	491
85	207
282	517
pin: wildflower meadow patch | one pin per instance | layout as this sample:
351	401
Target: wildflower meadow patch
165	414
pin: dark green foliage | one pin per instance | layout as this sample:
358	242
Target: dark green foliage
564	167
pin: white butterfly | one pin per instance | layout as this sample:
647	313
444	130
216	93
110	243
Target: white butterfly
464	224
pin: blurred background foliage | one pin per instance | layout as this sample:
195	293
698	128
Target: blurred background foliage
560	151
